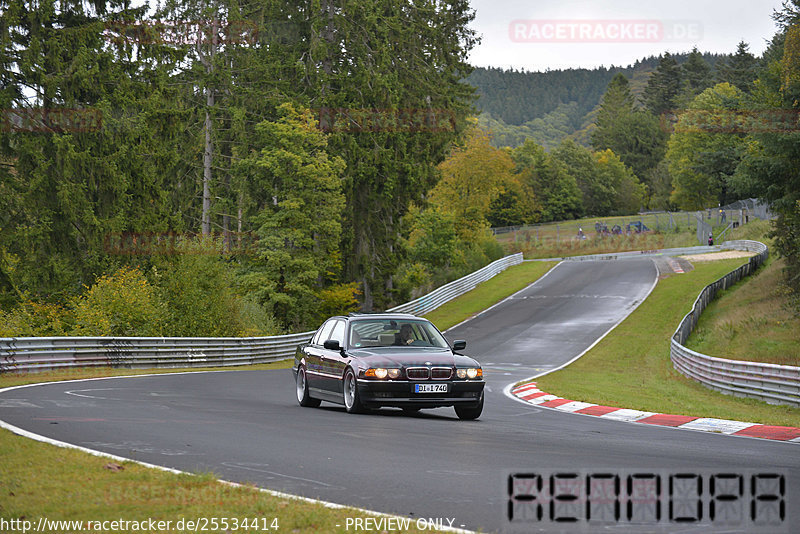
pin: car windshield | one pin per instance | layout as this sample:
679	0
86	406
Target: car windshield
395	332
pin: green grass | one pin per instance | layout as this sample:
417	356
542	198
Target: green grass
751	321
488	293
39	480
631	367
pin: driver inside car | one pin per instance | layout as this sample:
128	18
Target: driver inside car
405	336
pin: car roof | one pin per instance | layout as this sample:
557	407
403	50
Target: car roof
384	315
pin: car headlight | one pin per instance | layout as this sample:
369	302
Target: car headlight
470	372
381	373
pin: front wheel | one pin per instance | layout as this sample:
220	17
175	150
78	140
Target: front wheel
302	390
470	412
351	401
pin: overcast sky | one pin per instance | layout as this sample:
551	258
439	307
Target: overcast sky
553	34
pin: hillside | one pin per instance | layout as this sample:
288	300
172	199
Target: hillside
553	105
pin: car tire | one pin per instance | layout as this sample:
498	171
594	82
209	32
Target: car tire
350	394
302	390
470	412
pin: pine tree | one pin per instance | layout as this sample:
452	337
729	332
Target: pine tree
696	74
85	138
389	81
636	136
740	69
663	87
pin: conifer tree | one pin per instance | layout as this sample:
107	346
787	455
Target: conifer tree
663	87
740	69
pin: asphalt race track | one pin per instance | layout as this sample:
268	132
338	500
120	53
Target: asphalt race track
247	426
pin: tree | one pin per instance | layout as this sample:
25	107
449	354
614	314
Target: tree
473	176
696	75
704	150
597	194
406	66
557	192
628	193
636	136
90	150
770	166
740	69
607	185
663	86
299	224
617	102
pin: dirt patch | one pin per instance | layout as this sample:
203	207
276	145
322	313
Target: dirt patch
724	255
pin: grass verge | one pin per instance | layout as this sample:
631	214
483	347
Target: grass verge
41	481
631	367
488	293
727	326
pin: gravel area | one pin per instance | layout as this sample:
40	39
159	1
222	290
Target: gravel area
724	255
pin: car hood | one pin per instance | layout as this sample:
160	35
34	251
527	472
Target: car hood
404	356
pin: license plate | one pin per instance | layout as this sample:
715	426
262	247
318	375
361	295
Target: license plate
430	388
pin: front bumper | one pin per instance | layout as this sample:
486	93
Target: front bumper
375	393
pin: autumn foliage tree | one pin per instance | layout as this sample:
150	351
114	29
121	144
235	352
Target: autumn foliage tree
473	176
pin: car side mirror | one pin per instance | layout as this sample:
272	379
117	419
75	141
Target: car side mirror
332	344
459	344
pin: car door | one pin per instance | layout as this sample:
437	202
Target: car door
314	352
332	365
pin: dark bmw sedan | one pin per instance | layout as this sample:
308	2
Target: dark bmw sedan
366	361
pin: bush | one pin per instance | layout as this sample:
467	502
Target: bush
120	304
339	299
253	319
197	287
31	319
411	281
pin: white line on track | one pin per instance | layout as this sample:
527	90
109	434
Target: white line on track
505	299
507	389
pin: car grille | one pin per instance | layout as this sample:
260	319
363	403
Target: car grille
441	373
424	373
417	373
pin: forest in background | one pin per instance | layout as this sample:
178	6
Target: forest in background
251	168
551	106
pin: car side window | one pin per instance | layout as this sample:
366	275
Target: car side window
338	333
324	332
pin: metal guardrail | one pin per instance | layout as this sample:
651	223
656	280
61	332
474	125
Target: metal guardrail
447	292
775	384
49	353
